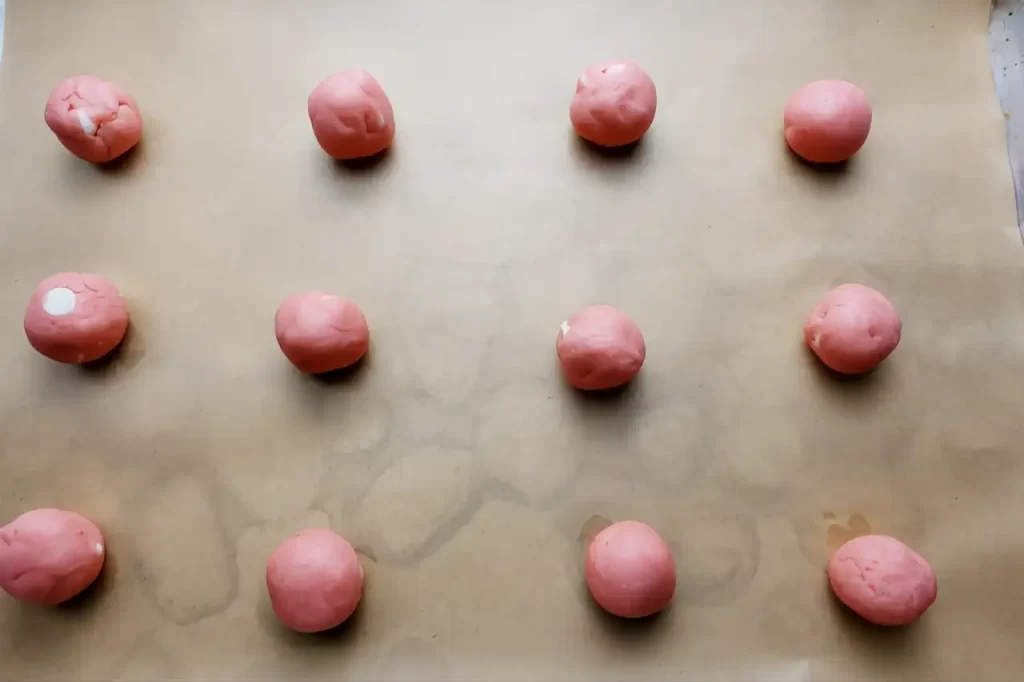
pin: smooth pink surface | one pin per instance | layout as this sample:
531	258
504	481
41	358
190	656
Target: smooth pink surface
94	328
351	116
321	332
882	580
827	121
600	348
853	329
49	555
630	570
314	580
614	103
115	117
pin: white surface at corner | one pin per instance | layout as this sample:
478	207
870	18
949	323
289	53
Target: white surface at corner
2	12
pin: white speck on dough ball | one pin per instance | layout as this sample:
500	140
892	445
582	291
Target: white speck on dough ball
59	301
88	127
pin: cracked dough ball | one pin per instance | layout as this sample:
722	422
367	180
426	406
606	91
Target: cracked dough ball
93	118
827	121
600	348
314	580
630	570
882	580
321	332
351	116
47	556
853	329
76	317
614	103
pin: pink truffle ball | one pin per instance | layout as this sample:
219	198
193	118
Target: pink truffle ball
351	116
882	580
47	556
853	329
314	580
614	103
600	348
76	317
827	121
630	570
321	332
93	118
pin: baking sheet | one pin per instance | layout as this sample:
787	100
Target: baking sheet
1006	30
467	474
2	14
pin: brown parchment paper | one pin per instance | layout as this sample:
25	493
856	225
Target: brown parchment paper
456	460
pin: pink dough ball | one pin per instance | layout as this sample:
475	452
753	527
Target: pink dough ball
882	580
314	580
321	332
630	570
47	556
614	103
827	121
853	329
76	317
351	116
93	118
600	348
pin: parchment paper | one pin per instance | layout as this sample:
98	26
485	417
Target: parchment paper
456	460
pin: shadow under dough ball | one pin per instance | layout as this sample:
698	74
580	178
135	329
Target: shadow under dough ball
614	103
853	329
47	556
93	118
76	317
630	570
351	116
827	121
314	580
882	580
320	332
600	348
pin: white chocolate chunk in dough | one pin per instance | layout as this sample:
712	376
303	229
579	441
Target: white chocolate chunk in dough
59	301
88	127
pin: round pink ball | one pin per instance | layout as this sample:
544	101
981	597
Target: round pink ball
47	556
600	348
321	332
314	580
614	103
352	117
95	119
853	329
882	580
827	121
75	317
630	570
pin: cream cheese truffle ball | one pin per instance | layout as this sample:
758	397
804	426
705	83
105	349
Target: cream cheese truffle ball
853	329
48	556
614	103
95	119
320	332
314	580
600	348
630	570
76	317
827	121
882	580
351	116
